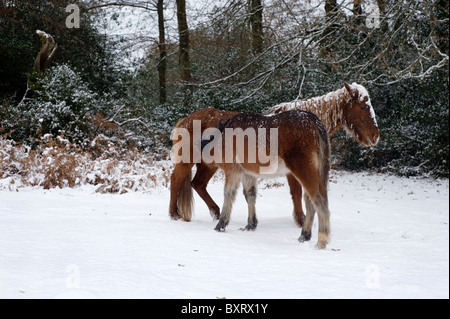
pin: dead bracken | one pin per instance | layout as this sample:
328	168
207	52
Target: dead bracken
58	163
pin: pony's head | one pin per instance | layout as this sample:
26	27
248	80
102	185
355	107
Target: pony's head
360	116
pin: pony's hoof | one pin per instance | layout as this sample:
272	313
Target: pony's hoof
175	215
220	227
249	228
324	239
305	236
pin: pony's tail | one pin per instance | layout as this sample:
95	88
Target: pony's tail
324	156
186	199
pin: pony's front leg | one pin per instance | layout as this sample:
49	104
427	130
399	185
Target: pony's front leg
232	180
249	185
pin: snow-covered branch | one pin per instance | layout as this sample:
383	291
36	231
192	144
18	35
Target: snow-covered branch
146	5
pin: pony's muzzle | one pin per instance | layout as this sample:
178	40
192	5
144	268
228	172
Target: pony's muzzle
373	141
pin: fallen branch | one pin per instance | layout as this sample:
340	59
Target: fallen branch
115	124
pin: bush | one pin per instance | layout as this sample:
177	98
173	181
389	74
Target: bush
413	120
60	102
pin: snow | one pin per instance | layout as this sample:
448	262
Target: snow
42	33
313	104
390	239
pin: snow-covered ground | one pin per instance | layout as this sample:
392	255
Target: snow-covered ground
390	239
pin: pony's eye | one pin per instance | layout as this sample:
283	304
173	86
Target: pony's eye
364	108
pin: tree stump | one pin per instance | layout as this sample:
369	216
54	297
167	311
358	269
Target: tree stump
47	52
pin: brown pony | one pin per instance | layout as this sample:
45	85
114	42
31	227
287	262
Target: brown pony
347	108
181	183
301	150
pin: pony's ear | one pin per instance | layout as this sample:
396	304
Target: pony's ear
350	90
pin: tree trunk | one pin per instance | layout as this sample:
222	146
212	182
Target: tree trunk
43	59
331	10
357	12
256	18
442	7
162	64
382	8
183	31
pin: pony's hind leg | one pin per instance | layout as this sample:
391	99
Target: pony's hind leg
307	226
296	193
232	181
323	213
202	177
309	177
249	185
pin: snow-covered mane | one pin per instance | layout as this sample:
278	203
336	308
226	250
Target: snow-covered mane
327	107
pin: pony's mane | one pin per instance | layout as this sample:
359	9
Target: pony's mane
329	107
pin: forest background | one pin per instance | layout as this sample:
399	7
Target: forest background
134	68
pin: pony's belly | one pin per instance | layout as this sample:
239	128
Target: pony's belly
275	169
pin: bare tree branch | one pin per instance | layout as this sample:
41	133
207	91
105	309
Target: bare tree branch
146	5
